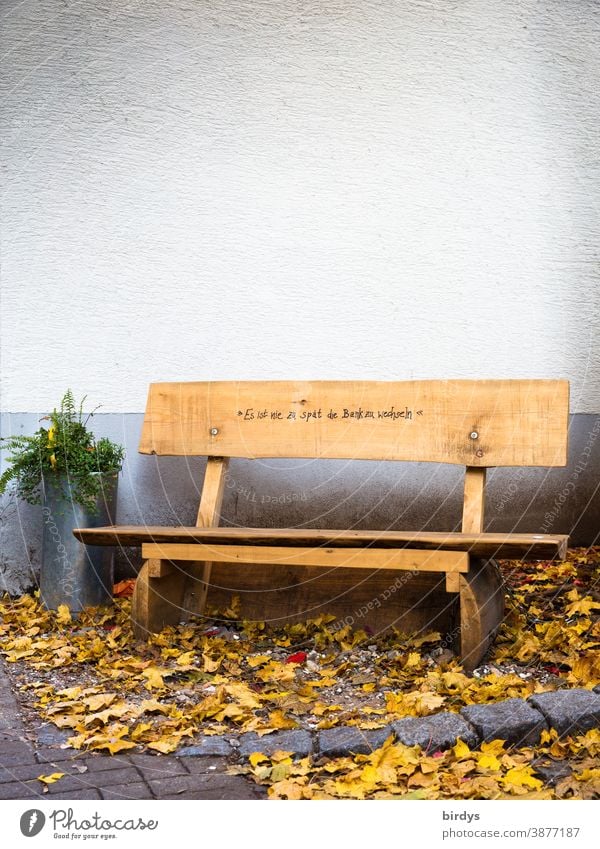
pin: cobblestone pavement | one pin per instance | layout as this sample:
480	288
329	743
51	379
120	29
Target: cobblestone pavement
199	771
96	776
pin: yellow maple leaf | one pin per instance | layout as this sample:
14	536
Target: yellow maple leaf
63	615
115	746
210	665
585	669
420	779
165	746
591	741
154	678
370	775
139	730
589	775
521	777
280	772
430	637
231	711
287	789
527	647
70	692
99	701
243	694
278	719
580	606
548	736
154	706
279	672
258	660
427	702
488	762
455	680
50	779
115	711
186	658
110	738
493	747
461	750
257	758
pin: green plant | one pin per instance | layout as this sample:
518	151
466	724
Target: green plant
66	452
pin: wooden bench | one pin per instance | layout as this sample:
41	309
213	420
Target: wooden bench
450	577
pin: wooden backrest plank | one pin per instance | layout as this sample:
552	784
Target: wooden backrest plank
477	423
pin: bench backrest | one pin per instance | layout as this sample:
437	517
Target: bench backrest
476	423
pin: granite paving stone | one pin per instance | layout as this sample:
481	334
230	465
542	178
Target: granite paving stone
513	720
46	755
153	766
49	735
19	791
297	741
205	765
551	771
207	746
99	763
22	772
106	778
139	790
569	711
207	787
88	793
336	742
16	757
432	733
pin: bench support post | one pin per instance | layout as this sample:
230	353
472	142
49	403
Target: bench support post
198	580
481	591
163	591
157	598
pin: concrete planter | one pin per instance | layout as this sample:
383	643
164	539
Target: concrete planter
72	573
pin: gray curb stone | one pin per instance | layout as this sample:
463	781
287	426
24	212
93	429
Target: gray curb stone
569	711
336	742
297	741
550	771
207	747
432	733
513	720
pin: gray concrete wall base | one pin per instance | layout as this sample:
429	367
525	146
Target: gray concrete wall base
326	494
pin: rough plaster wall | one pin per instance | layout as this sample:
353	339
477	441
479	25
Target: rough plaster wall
233	189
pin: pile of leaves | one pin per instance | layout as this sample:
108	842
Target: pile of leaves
107	692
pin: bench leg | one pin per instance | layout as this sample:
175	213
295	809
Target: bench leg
157	601
481	610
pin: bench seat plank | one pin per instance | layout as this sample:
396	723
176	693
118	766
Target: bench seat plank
521	546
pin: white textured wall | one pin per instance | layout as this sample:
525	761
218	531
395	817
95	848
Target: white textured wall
233	189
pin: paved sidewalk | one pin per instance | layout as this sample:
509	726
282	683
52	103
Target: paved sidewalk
199	771
96	776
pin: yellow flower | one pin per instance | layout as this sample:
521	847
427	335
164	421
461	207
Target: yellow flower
51	443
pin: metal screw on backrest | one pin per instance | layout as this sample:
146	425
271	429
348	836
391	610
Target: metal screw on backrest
474	434
214	431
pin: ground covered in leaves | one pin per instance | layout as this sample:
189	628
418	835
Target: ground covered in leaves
110	693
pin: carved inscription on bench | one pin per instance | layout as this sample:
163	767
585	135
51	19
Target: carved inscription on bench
392	413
